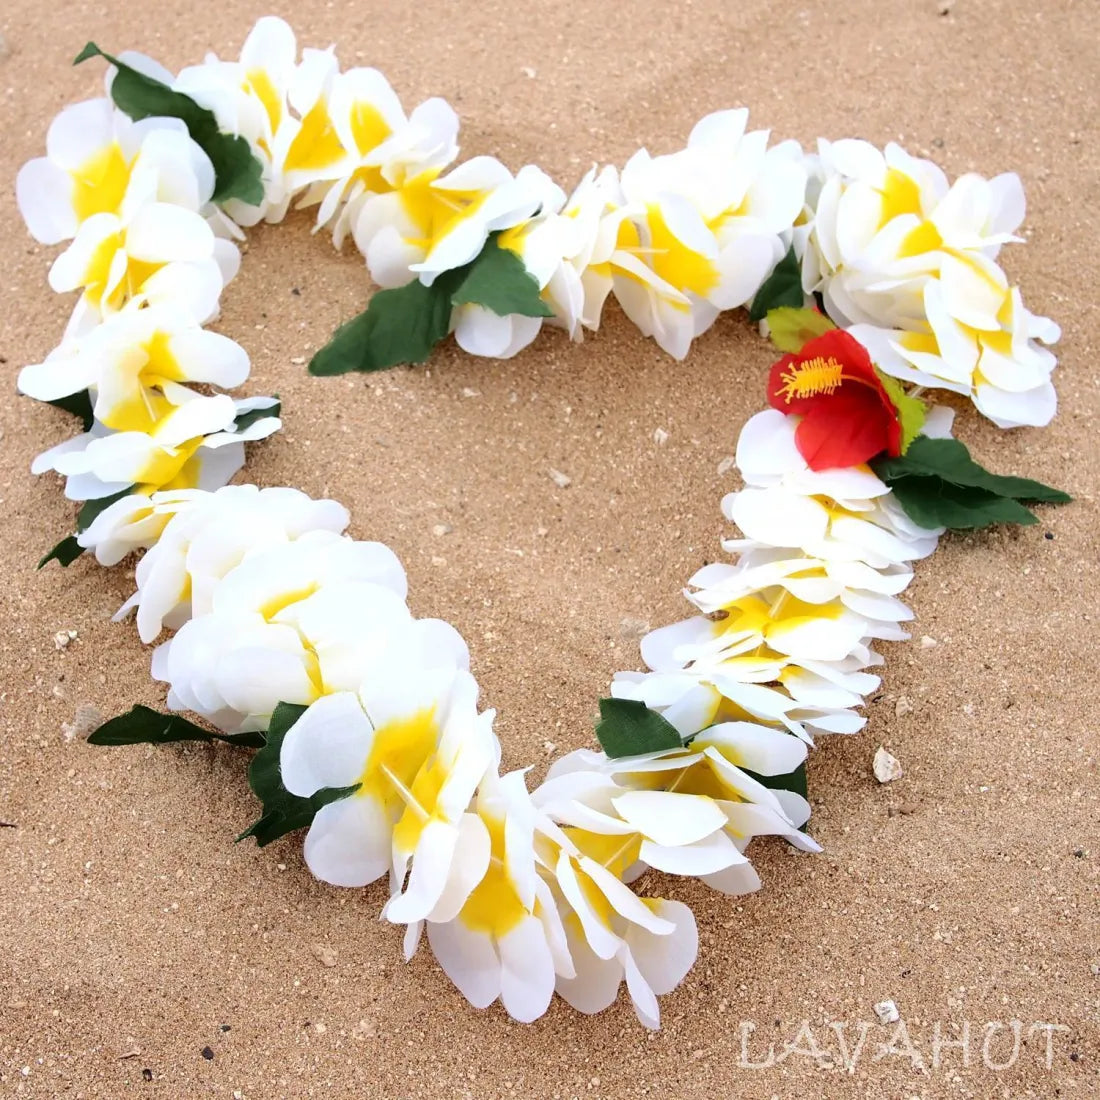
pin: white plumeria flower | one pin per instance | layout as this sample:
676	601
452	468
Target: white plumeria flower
671	830
838	515
567	250
135	363
308	148
129	524
704	227
100	162
766	622
418	149
687	811
883	222
413	742
578	289
538	243
293	623
993	353
433	223
611	932
249	98
380	149
158	252
203	536
194	445
504	937
741	689
651	964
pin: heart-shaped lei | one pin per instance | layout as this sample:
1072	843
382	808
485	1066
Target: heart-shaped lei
294	639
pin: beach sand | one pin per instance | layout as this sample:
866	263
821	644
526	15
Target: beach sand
142	953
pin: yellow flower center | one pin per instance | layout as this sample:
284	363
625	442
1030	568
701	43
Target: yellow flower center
100	182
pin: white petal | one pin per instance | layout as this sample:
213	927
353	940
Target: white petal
670	819
469	960
348	843
327	747
527	971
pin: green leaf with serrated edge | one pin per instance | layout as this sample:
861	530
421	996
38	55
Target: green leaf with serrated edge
238	174
144	726
783	287
283	812
79	404
628	727
791	329
92	508
911	410
950	460
933	502
401	325
497	280
247	419
65	552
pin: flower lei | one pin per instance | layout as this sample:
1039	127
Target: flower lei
294	639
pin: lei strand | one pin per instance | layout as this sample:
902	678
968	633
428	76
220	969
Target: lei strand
294	639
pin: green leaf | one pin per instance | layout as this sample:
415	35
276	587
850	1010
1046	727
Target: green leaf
628	727
790	781
79	404
791	329
783	287
91	508
401	325
938	484
238	173
933	502
911	410
283	812
950	460
65	552
497	280
144	726
247	419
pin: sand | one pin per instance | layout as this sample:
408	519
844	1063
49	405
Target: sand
142	953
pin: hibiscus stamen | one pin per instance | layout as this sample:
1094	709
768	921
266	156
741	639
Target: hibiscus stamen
810	378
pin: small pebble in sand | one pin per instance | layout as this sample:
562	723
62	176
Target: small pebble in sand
660	436
726	465
632	627
88	719
902	706
928	642
562	481
441	529
64	638
887	1012
886	767
324	955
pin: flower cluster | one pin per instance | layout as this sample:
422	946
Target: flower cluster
520	893
784	636
909	262
133	201
284	633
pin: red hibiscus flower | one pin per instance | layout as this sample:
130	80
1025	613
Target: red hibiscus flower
847	415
